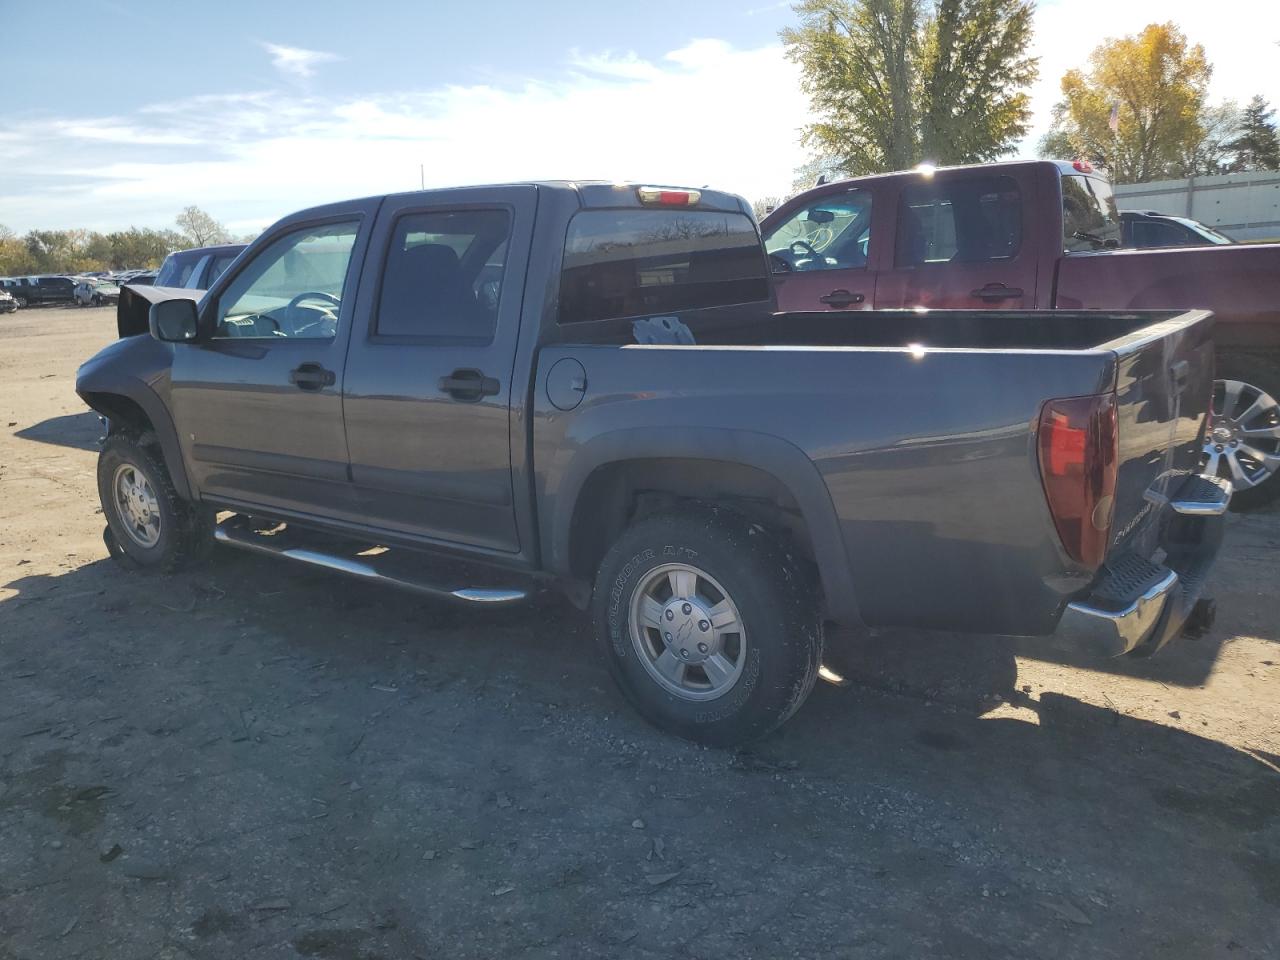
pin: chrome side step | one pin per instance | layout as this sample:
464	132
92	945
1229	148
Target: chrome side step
236	532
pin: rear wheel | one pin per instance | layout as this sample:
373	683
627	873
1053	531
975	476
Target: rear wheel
708	626
149	524
1242	443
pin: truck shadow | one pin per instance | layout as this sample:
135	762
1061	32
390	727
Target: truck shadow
242	687
78	430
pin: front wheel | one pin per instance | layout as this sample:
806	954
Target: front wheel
1243	440
153	527
708	627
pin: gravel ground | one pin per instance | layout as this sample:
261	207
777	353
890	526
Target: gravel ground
257	761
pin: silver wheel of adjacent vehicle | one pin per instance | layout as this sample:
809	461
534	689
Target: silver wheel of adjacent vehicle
687	632
1242	443
136	505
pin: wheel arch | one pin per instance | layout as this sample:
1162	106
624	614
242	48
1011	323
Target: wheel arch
137	408
761	475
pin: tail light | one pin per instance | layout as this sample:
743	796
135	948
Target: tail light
668	197
1078	462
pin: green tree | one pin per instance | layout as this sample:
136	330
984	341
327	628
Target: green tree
1156	83
1257	147
201	228
895	82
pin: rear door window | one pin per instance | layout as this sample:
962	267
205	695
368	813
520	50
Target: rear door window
959	220
639	263
1155	233
443	276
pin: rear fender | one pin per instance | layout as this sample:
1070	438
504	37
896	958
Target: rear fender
769	454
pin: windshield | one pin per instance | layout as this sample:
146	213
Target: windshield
177	267
1210	234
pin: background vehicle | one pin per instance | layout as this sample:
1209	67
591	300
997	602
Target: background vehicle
7	303
34	291
626	417
1042	234
1150	228
198	268
95	293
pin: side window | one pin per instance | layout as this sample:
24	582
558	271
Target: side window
292	288
1090	220
959	220
829	234
1155	233
443	275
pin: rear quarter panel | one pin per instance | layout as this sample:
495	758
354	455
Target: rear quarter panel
1240	284
928	461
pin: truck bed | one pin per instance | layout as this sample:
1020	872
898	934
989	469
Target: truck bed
922	430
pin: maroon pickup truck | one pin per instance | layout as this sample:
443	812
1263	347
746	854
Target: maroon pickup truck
1039	235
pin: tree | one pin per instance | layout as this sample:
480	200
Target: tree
765	205
1155	82
200	228
1257	147
1212	154
895	82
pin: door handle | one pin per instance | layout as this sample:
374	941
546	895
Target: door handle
841	298
997	291
311	376
469	385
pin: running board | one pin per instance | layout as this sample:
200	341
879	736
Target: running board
236	532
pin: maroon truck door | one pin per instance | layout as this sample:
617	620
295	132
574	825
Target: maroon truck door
822	252
961	239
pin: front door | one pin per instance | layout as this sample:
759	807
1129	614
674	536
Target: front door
958	243
820	254
257	401
428	379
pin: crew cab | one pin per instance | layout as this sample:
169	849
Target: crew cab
1040	235
197	268
474	393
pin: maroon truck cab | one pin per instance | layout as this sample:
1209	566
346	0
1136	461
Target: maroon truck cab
1039	235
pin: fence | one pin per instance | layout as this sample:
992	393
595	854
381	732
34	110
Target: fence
1244	206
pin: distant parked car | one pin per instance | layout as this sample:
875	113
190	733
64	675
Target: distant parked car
28	291
1150	228
7	303
198	268
93	292
139	277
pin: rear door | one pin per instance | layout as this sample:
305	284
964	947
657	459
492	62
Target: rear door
961	239
427	392
257	401
821	253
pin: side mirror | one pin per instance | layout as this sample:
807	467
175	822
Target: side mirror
174	321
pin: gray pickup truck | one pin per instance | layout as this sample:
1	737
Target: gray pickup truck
474	392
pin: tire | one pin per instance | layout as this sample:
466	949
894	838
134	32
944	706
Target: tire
774	658
20	301
1260	376
182	533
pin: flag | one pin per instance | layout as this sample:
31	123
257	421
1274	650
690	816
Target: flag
1114	121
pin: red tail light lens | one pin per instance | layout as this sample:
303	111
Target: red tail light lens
1078	461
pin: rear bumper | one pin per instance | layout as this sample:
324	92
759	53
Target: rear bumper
1138	604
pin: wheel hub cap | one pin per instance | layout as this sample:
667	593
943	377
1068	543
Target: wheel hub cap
687	632
137	506
1243	442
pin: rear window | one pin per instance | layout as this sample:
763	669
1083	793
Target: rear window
1090	220
640	263
176	269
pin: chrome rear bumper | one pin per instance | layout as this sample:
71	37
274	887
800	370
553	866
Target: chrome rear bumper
1139	605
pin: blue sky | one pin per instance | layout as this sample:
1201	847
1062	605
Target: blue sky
251	110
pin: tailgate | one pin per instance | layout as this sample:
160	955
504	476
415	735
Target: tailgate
1164	384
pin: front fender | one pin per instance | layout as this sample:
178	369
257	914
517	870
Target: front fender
137	369
769	454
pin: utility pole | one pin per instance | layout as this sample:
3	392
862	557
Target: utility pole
422	176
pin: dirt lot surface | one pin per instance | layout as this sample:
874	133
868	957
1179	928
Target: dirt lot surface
255	761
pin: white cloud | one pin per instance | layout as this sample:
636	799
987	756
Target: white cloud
296	62
706	113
